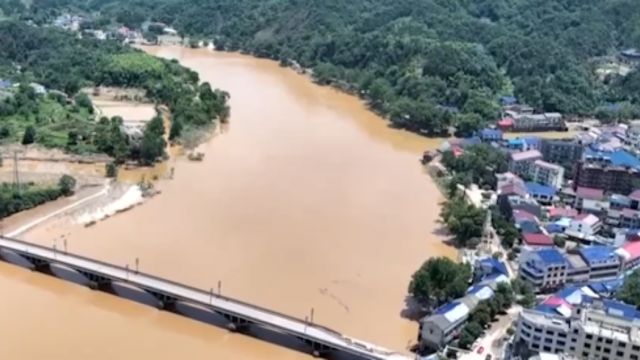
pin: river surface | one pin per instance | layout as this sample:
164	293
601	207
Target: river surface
306	200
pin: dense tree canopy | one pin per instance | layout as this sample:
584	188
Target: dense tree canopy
16	198
439	280
630	291
63	62
478	165
464	221
425	63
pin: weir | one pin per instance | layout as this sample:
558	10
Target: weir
100	275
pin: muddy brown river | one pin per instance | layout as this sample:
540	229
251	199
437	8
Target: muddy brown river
307	200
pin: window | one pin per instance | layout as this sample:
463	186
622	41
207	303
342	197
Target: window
560	343
587	345
548	341
546	348
585	354
598	348
572	348
635	348
620	353
537	338
575	331
574	339
608	341
535	346
562	335
589	336
633	357
607	350
538	330
549	332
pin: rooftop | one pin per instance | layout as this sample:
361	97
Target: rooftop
590	193
495	265
619	158
547	165
555	212
539	189
630	251
537	239
526	155
598	254
551	256
522	215
635	195
490	133
588	219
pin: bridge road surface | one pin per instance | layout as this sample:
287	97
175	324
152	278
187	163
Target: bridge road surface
271	319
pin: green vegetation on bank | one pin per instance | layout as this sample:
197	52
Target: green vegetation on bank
438	281
477	165
427	64
14	198
464	221
64	63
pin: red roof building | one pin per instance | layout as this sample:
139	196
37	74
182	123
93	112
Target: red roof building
589	193
537	239
505	124
556	213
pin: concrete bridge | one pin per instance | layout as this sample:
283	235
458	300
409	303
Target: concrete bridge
322	341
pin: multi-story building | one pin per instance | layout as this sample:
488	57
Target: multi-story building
439	328
549	269
522	162
566	152
584	226
536	122
544	269
546	173
594	329
612	171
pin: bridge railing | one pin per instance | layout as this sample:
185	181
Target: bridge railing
175	283
349	341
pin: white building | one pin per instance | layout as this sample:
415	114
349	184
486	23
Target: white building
595	329
584	226
546	173
522	162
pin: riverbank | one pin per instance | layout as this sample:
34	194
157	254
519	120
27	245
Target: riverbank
304	184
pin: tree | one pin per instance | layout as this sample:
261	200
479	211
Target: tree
176	129
67	185
630	291
559	241
464	221
153	143
111	170
482	314
82	100
439	280
524	291
29	136
469	334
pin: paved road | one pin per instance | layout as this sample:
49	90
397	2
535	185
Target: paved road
265	317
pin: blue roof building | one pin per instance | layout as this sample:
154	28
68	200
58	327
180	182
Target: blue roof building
490	135
489	266
598	255
5	84
619	158
533	142
542	193
508	100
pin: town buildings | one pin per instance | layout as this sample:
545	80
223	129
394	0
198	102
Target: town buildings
546	173
565	152
445	323
595	328
615	171
551	268
521	163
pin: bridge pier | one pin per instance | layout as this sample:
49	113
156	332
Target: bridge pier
318	350
236	324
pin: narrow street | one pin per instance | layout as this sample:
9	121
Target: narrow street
492	343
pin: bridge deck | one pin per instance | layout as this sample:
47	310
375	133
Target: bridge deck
182	292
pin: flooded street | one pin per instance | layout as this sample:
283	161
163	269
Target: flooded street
306	200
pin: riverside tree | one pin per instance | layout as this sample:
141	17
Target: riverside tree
439	280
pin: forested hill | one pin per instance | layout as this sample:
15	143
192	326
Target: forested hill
426	63
58	115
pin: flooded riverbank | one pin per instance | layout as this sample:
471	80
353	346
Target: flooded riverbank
306	200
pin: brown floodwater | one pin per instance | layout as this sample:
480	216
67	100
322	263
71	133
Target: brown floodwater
306	200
